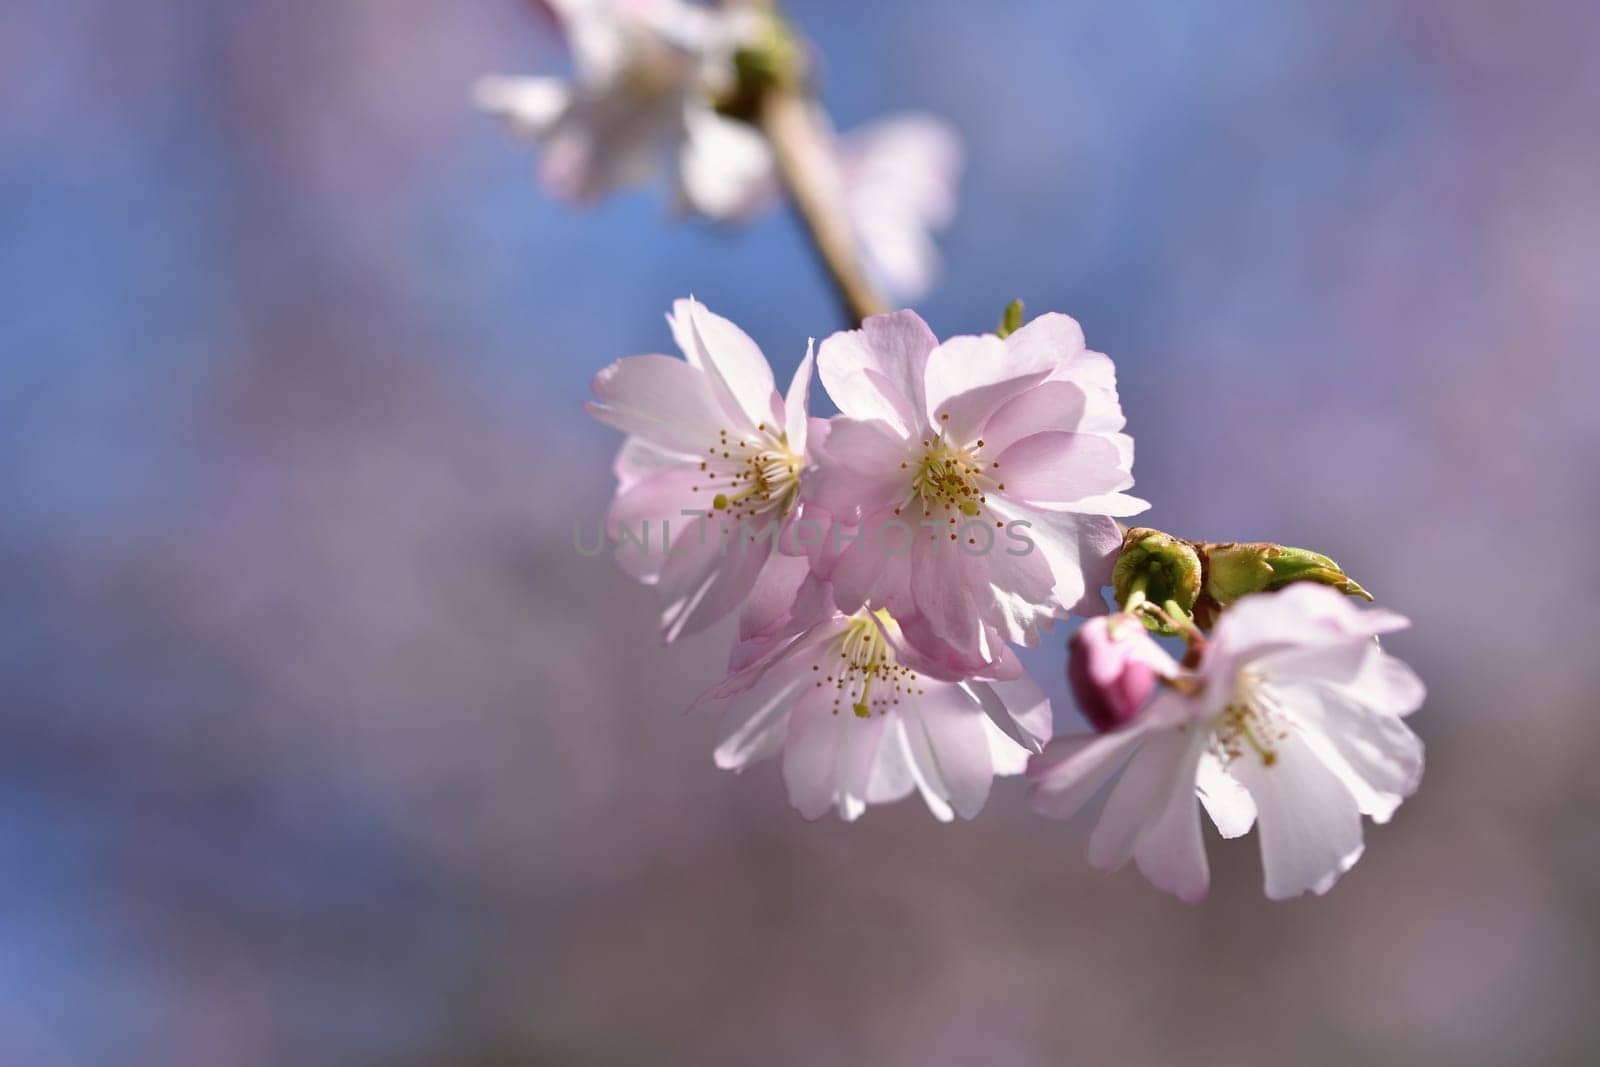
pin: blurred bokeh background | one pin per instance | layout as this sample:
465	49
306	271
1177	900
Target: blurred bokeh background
319	744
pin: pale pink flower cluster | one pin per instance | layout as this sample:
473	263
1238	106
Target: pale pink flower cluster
883	562
642	105
882	558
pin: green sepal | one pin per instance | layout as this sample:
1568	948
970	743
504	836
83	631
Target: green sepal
1237	569
1158	568
1010	319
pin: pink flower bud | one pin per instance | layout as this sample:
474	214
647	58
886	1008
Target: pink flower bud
1112	668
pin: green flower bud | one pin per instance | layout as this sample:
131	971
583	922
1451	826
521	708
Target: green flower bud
1163	570
1010	319
1235	569
773	58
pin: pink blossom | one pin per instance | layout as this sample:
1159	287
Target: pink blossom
845	704
641	104
1293	719
981	474
1112	667
708	434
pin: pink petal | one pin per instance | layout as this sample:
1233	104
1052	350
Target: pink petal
638	459
1078	549
858	468
1139	798
641	510
738	371
969	378
796	404
663	400
958	742
759	716
1171	851
811	753
1052	337
1056	469
705	578
877	372
867	570
1048	406
1018	708
1072	768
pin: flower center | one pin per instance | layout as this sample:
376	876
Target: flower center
866	675
751	475
1250	723
952	481
952	478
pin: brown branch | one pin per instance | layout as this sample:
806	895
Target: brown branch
786	118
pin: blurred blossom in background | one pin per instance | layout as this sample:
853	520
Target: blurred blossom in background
321	744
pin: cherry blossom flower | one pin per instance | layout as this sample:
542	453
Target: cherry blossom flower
647	73
1112	667
845	703
1293	720
708	434
980	476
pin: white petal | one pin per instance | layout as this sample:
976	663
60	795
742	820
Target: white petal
606	140
760	717
638	459
811	754
1139	798
709	572
664	400
924	768
958	743
1006	756
796	405
1374	753
724	167
1226	801
634	521
1310	828
859	743
1171	851
1018	708
595	32
893	777
530	106
1302	614
1073	767
733	363
1051	337
1080	550
1356	666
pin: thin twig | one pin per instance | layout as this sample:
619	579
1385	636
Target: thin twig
787	119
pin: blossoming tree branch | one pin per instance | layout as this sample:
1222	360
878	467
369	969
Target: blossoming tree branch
882	563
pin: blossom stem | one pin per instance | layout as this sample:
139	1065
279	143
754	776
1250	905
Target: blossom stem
786	119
